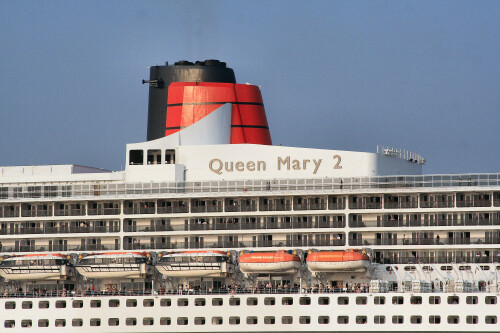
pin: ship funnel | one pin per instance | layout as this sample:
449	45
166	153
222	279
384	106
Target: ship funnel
182	94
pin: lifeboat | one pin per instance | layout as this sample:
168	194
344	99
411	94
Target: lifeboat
126	265
194	264
338	261
269	262
34	267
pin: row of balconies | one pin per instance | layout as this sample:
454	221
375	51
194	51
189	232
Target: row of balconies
425	241
47	246
297	203
59	227
224	244
426	220
436	257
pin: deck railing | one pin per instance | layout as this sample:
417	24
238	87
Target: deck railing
266	185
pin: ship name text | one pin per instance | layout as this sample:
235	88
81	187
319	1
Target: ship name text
219	166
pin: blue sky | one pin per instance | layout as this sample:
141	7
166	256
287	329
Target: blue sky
347	75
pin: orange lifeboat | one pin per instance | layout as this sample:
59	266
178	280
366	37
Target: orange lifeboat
338	261
269	262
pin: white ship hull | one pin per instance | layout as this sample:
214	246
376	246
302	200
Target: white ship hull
298	316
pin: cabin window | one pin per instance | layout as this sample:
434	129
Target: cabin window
131	321
434	319
397	300
251	301
342	320
148	321
9	324
26	323
60	322
199	320
397	319
269	301
43	304
60	304
453	320
471	320
148	303
136	157
199	302
490	300
324	300
170	156
95	322
182	321
165	321
166	302
434	299
77	322
287	320
379	319
234	320
131	303
154	156
252	320
77	304
305	301
416	300
361	320
216	320
10	305
343	300
114	303
96	303
453	299
416	319
217	302
379	300
43	323
269	320
287	301
27	305
234	301
361	300
304	320
491	319
472	300
113	322
182	302
323	320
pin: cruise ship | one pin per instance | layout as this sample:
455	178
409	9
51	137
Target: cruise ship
211	228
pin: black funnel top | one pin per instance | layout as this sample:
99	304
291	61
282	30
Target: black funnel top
182	71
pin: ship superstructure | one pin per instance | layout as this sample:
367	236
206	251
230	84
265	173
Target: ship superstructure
211	228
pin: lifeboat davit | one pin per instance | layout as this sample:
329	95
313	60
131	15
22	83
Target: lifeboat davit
269	262
338	261
36	267
125	265
195	264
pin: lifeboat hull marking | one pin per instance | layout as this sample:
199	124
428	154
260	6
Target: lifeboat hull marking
269	267
168	271
110	272
339	266
32	275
